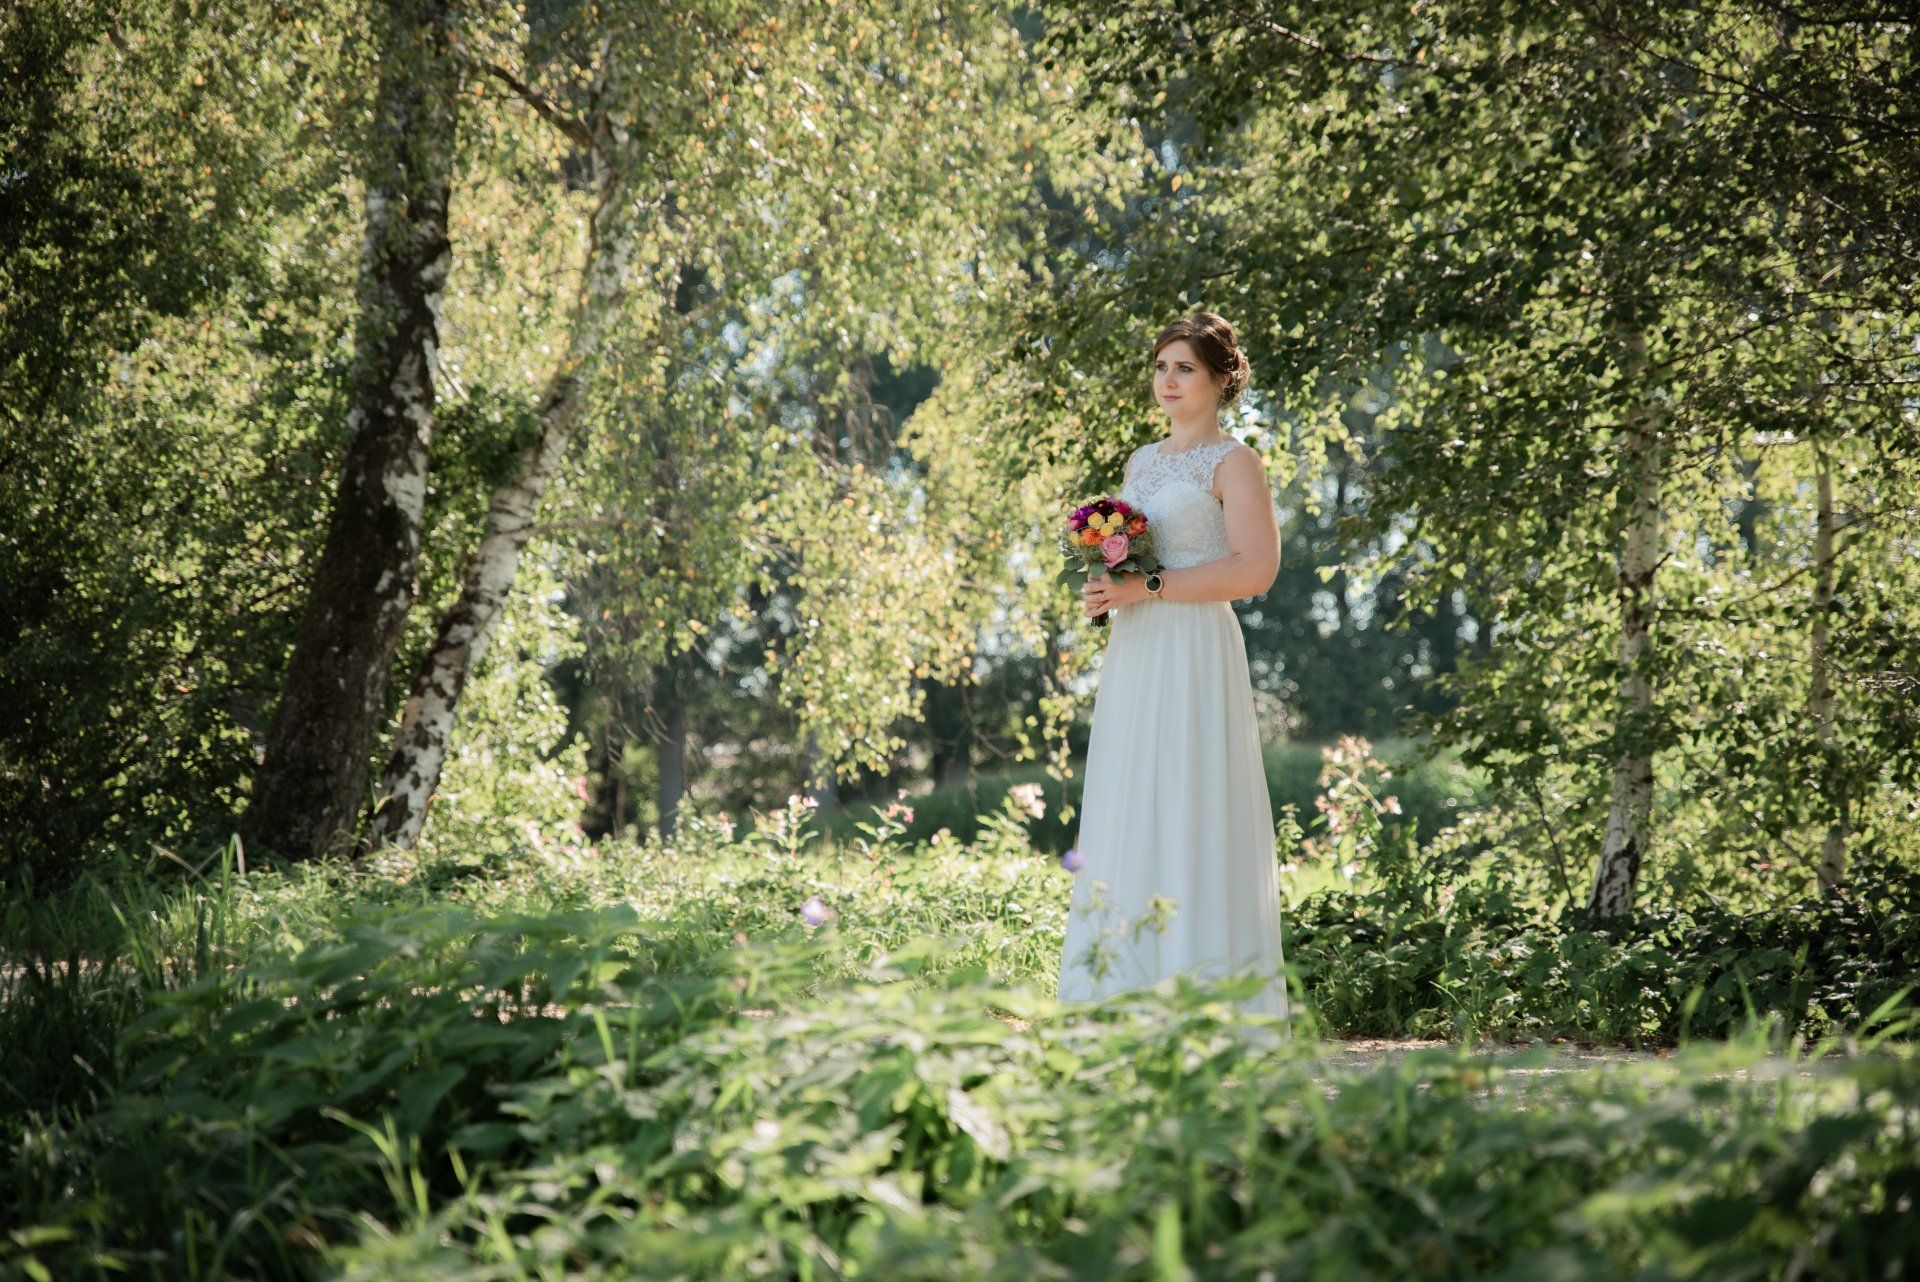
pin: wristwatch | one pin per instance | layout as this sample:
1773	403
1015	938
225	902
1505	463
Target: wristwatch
1153	584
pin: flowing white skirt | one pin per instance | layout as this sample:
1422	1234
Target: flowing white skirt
1174	804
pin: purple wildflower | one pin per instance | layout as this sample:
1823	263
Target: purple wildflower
1072	860
814	911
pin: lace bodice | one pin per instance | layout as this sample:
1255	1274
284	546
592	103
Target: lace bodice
1176	493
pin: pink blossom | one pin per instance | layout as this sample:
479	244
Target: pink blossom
1113	549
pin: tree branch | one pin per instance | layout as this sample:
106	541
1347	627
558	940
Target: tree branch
574	129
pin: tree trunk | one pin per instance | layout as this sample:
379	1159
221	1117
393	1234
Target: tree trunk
669	722
822	785
1342	604
1833	850
1747	519
606	814
312	781
948	723
1630	814
420	747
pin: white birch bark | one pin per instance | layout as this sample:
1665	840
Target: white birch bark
420	747
1629	828
311	784
1833	849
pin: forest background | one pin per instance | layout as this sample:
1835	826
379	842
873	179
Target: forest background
707	387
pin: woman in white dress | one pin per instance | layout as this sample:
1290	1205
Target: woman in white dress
1176	836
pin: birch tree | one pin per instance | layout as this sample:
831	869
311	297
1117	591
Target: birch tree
311	786
819	153
1507	185
1833	845
465	631
1630	808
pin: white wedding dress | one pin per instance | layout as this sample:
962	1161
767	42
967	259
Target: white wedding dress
1175	800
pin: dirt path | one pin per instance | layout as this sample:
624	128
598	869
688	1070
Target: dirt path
1343	1060
1369	1052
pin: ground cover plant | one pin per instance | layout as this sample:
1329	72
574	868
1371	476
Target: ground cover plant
755	1054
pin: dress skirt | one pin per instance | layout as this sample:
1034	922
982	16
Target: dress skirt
1174	804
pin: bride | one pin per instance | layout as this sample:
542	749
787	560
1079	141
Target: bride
1176	862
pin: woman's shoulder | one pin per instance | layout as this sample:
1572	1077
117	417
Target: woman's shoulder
1233	447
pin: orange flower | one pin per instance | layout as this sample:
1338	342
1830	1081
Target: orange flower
1136	525
1089	536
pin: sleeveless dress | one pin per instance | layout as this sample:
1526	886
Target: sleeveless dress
1175	800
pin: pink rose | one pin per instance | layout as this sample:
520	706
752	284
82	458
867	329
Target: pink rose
1113	549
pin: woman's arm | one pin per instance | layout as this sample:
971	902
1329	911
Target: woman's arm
1253	539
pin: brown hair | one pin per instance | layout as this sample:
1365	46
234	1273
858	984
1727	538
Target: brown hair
1219	349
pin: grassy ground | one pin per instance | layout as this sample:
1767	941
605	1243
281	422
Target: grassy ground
646	1062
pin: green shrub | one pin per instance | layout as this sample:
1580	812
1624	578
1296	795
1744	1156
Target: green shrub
439	1092
1432	794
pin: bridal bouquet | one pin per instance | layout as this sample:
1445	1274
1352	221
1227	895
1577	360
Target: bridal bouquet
1109	536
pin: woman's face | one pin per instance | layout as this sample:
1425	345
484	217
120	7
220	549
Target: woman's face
1183	385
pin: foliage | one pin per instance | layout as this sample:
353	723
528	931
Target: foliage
1443	235
1432	792
515	773
1476	957
1466	935
742	481
170	350
435	1072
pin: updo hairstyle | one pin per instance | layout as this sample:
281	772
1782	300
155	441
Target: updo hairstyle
1213	338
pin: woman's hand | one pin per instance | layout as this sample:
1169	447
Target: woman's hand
1101	593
